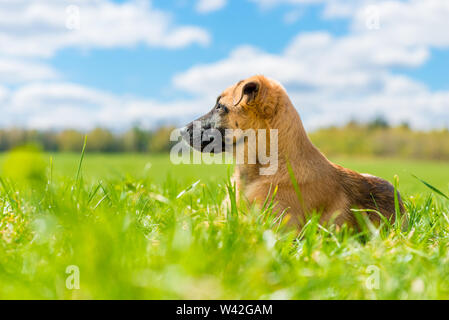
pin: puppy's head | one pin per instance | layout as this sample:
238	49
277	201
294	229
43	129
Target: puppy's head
250	104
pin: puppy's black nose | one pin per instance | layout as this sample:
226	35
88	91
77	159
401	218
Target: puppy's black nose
187	130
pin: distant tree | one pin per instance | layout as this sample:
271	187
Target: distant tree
48	140
160	141
101	140
45	139
379	122
136	140
70	141
405	125
353	123
16	137
3	141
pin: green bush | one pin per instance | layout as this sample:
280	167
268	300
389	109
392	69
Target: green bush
25	165
382	141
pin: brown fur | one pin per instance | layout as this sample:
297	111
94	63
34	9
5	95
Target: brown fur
326	188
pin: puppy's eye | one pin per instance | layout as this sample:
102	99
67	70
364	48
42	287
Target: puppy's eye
221	107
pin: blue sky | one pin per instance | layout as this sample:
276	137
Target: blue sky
164	61
148	71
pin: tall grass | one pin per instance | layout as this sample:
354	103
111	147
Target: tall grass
136	238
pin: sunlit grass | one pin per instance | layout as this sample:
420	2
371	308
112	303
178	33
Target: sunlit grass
138	227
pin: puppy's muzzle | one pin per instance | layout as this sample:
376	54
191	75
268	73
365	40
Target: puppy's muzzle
203	137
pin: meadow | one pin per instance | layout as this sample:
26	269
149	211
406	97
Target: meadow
135	226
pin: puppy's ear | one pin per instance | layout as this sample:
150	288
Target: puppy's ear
250	91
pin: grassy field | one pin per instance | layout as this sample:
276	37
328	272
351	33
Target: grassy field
137	227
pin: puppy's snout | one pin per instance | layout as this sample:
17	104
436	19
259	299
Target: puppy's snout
187	130
206	126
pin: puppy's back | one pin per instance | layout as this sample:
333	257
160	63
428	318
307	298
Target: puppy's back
366	191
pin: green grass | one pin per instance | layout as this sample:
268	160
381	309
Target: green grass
138	227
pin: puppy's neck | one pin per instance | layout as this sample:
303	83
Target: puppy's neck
307	162
294	147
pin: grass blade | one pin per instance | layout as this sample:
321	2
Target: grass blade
189	188
78	173
434	189
397	209
295	185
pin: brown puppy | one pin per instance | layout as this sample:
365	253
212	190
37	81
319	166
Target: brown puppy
326	188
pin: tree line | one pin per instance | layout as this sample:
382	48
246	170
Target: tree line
379	139
376	138
99	140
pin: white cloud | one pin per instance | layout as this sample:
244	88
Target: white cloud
292	16
33	29
326	87
67	105
3	94
206	6
312	60
344	8
13	71
330	79
272	3
413	23
41	27
333	79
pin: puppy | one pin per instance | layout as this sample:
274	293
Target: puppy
321	186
